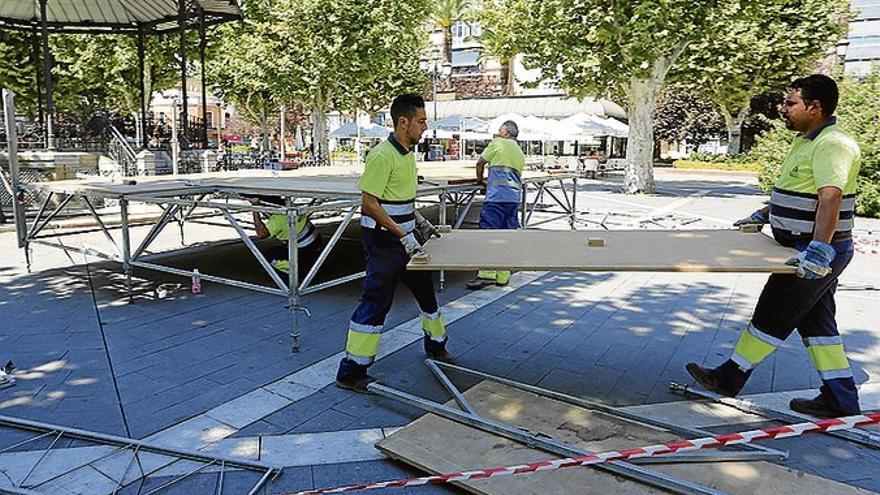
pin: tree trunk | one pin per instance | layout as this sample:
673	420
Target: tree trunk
734	128
447	44
642	95
639	175
264	128
505	76
511	76
320	136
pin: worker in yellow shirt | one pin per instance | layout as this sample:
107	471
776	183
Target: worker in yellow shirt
505	161
811	209
388	221
308	239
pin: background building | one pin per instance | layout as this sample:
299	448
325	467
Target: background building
860	51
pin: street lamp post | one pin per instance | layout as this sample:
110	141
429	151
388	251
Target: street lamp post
436	68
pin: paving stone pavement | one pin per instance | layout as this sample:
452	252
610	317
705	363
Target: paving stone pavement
87	358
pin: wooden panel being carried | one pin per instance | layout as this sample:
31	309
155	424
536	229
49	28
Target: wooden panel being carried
605	250
438	445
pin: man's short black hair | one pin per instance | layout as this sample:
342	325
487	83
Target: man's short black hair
405	106
821	88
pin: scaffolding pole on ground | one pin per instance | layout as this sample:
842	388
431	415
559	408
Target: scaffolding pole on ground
467	415
856	435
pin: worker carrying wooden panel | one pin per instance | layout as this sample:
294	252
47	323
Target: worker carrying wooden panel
389	220
811	209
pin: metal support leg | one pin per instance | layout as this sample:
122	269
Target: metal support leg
154	232
101	225
535	203
443	197
467	207
523	220
574	195
313	271
126	246
256	251
293	276
52	215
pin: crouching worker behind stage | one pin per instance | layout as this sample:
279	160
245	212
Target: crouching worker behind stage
388	222
308	239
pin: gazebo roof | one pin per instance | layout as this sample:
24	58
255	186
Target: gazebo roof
112	16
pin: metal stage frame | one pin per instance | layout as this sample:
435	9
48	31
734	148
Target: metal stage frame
182	198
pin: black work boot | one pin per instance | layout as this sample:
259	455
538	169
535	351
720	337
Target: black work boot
480	283
437	350
353	376
727	379
818	406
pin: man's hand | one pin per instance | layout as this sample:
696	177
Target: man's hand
814	262
756	218
410	244
425	229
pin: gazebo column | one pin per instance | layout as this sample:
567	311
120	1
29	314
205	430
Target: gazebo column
47	76
203	44
35	43
142	85
184	111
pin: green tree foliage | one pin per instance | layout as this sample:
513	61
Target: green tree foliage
100	72
762	47
340	55
681	116
18	70
859	114
595	48
89	72
499	21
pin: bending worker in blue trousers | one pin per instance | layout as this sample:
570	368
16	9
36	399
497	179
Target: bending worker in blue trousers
811	209
505	161
388	221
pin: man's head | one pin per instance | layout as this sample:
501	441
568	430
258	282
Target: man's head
810	101
509	130
408	114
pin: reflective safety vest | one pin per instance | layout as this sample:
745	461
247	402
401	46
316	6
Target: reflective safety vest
390	174
506	162
306	233
826	157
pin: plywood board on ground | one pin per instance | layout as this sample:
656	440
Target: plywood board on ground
438	445
623	250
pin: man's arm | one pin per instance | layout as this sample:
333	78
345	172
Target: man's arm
259	226
828	213
370	206
481	168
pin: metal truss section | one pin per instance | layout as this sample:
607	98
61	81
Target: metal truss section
102	447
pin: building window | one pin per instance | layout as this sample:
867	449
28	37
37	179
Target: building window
209	119
465	58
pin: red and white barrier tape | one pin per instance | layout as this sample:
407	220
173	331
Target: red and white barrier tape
846	423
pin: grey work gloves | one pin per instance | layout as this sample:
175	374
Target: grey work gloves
814	262
424	229
756	218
